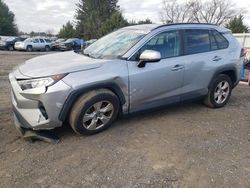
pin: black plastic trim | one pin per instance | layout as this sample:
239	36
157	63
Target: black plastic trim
221	70
74	95
173	24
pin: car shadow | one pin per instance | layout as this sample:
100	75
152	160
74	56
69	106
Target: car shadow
66	131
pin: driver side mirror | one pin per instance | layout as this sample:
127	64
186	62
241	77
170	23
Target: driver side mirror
149	56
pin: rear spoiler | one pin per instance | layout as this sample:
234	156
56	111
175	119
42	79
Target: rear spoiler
226	32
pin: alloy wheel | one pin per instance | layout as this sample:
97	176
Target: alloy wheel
98	115
221	92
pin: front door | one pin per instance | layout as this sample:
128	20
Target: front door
157	83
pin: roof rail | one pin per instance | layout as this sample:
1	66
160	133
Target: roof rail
171	24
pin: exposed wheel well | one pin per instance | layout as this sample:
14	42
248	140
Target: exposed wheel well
231	74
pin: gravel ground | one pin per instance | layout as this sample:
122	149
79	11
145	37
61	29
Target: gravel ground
187	145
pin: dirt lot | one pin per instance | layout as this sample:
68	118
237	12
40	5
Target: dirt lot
183	146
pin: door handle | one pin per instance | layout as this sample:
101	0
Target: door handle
177	67
217	58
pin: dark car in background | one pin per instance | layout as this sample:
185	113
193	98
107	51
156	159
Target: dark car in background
9	43
72	44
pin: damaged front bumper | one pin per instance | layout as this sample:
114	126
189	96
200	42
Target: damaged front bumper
34	135
34	112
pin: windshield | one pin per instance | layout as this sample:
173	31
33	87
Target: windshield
114	44
28	40
10	39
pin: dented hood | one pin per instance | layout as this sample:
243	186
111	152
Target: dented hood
58	63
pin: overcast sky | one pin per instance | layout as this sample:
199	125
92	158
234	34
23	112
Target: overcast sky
43	15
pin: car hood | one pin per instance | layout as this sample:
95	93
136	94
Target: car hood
58	63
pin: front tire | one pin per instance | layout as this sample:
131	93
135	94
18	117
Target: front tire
219	92
94	112
29	49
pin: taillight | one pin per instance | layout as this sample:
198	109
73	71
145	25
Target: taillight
243	52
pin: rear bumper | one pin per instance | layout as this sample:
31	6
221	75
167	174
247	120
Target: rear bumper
38	111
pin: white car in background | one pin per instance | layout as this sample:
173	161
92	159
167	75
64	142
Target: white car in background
33	44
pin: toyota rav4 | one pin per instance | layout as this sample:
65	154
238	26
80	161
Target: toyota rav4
132	69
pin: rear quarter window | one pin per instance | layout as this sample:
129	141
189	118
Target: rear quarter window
221	40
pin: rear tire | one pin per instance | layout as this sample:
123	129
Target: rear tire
47	48
219	92
94	112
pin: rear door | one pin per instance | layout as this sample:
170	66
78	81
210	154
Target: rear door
203	57
42	44
36	44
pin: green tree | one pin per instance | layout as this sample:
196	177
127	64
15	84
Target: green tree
95	18
236	25
114	22
7	18
147	21
67	31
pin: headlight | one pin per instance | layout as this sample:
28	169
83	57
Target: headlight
40	82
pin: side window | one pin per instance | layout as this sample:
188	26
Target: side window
36	41
221	40
213	42
41	40
167	43
196	41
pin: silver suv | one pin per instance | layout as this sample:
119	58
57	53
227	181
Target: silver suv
130	70
32	44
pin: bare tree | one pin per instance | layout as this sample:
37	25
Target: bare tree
175	12
49	32
211	11
214	11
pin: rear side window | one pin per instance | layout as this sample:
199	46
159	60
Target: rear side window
41	40
221	41
196	41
